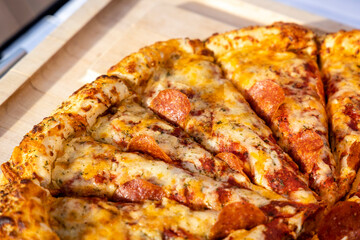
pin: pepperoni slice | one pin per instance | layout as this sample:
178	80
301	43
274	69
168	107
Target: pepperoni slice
172	104
238	215
147	144
238	152
342	222
234	162
309	145
266	96
138	190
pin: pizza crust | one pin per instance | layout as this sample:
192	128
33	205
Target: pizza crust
34	157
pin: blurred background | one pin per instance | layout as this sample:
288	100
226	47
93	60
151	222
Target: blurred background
342	11
25	23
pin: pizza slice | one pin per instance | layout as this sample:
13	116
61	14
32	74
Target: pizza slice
131	127
275	69
81	218
29	212
24	212
34	157
340	65
90	168
179	80
96	219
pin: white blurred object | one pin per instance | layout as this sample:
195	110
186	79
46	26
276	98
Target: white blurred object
343	11
36	34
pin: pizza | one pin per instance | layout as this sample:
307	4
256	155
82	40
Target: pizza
225	138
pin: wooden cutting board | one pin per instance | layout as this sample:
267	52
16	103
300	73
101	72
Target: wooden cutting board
103	32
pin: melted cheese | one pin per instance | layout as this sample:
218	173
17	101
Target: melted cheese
85	219
213	100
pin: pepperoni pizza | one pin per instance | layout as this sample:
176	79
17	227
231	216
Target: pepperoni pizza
186	139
